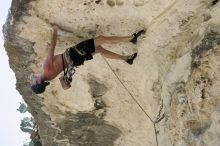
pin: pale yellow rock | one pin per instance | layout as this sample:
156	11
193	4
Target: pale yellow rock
177	65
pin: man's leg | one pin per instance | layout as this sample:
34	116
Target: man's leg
98	41
117	39
109	54
111	39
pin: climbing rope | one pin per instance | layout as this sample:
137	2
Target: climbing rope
153	122
159	116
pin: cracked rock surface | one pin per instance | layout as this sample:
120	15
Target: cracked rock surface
177	68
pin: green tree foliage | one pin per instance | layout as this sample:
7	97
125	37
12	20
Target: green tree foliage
22	108
27	125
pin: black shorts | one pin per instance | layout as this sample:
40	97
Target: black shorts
87	46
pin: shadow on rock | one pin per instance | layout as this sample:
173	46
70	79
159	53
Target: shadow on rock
83	129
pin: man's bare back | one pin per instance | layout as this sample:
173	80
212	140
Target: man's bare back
50	71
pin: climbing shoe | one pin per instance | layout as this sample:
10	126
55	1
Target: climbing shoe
136	35
131	58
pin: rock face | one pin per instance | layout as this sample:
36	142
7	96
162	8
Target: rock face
169	96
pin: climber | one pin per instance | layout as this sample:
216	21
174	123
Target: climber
75	56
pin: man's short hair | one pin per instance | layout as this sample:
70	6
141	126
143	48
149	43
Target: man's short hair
39	88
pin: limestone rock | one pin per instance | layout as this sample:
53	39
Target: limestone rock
169	96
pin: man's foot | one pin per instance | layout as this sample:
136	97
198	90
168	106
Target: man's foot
131	58
136	35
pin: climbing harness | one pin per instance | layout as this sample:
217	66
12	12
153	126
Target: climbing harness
66	79
74	57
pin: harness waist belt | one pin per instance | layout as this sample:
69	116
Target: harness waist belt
67	57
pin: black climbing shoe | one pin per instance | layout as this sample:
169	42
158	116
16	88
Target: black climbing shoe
131	58
136	35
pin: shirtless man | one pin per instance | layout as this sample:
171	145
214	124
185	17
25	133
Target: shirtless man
54	64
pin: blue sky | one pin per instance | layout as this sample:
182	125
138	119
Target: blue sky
10	134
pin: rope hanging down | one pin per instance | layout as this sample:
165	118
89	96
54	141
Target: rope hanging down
153	122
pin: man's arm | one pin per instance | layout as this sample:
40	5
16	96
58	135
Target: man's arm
52	45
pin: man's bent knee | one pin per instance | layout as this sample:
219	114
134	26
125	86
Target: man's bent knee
99	40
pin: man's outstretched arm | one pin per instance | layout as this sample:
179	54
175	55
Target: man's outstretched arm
52	45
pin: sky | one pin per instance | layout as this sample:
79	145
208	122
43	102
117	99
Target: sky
10	134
